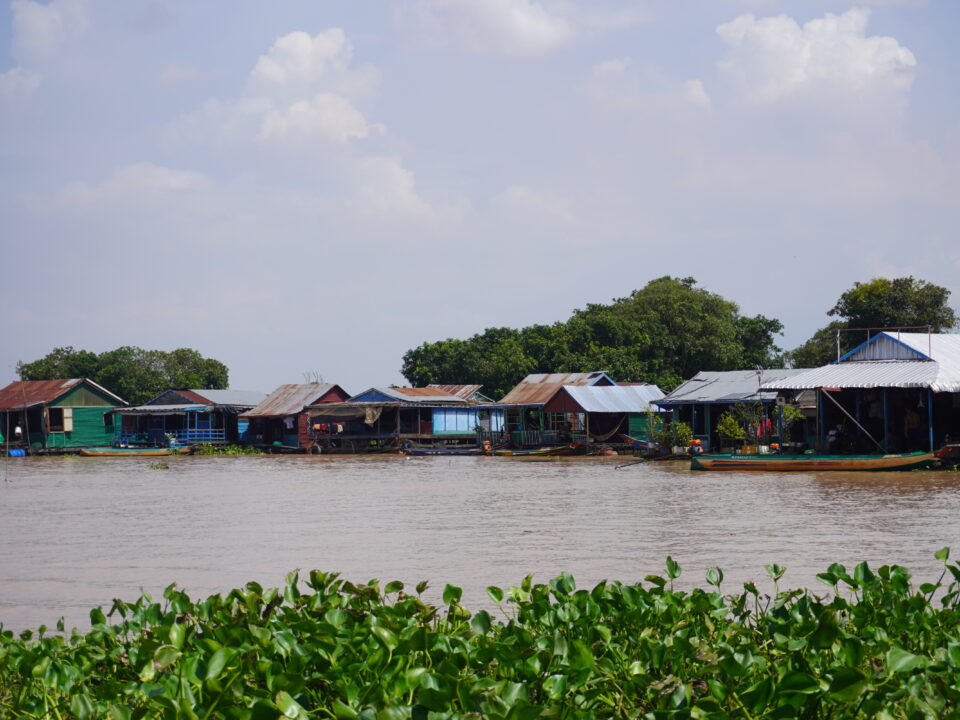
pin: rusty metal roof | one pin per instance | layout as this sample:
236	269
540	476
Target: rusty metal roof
291	399
26	393
537	389
465	392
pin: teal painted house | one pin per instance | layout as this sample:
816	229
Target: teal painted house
52	415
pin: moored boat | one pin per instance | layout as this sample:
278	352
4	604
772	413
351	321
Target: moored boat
442	451
135	451
533	452
813	463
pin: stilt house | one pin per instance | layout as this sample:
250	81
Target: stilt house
57	414
281	421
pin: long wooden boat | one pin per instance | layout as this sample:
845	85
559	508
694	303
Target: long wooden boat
533	452
813	463
135	451
453	451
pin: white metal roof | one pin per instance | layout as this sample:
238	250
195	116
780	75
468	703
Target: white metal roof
887	366
615	398
727	386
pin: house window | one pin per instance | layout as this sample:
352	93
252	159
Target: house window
55	419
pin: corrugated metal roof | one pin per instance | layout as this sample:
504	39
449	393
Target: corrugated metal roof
940	374
584	378
726	386
290	399
22	393
414	395
40	392
465	392
237	398
537	389
615	398
164	409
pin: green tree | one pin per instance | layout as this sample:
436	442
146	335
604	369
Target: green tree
131	372
663	333
880	303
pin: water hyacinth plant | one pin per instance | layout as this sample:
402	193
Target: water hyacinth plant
872	646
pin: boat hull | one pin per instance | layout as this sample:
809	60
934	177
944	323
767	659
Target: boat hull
430	452
534	452
813	463
135	452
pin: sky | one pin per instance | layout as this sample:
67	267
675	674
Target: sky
314	187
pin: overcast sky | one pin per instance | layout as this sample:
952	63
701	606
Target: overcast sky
321	185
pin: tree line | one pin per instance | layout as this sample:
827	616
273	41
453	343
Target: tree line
133	373
663	333
669	330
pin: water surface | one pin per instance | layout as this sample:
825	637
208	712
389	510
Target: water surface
77	532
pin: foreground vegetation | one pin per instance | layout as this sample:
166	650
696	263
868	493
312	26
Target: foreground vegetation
872	646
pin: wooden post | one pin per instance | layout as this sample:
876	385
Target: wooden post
886	422
930	416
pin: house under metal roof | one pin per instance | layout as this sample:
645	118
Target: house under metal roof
891	360
291	399
464	392
728	386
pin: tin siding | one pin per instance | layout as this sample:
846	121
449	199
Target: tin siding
88	430
883	348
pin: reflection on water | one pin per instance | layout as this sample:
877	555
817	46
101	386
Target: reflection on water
78	532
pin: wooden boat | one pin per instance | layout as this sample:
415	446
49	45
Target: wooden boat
431	451
640	444
533	452
135	451
813	463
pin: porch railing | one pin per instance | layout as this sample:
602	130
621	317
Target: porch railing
192	436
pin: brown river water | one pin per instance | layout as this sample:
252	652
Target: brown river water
78	532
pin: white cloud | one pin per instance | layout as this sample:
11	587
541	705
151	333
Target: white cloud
507	27
775	58
40	29
611	67
388	187
299	65
301	90
694	91
325	115
18	82
143	182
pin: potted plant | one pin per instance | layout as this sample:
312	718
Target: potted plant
731	432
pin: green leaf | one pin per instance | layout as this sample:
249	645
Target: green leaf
673	569
344	712
495	594
178	634
288	706
119	712
392	587
81	706
942	554
901	661
714	576
421	586
385	636
775	571
452	594
97	617
953	654
165	656
555	686
798	682
218	661
480	622
847	684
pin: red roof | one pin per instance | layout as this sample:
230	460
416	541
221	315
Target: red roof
21	393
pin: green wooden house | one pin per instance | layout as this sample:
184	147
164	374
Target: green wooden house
47	415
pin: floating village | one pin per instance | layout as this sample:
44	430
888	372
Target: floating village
889	404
